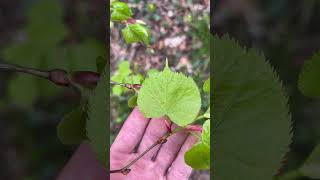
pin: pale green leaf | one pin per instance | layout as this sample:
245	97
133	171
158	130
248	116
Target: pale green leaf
205	136
206	85
198	157
136	33
170	94
152	72
132	102
207	114
252	124
121	11
117	90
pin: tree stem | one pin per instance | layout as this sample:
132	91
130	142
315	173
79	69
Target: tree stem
26	70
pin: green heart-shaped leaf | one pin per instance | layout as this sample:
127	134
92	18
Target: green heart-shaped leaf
170	94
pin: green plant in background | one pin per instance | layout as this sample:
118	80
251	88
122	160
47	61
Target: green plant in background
42	47
43	53
135	30
308	84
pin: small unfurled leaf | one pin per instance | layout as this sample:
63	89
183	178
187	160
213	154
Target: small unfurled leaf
198	157
206	85
206	133
101	64
71	129
170	94
151	7
136	33
312	166
207	114
309	80
121	11
132	102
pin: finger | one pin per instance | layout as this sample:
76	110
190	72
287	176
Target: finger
130	133
155	130
179	169
170	149
83	165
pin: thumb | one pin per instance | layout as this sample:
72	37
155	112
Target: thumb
83	166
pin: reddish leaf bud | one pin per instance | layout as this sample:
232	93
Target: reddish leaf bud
131	21
85	78
58	77
195	128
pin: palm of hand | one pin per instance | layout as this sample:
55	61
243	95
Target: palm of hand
165	161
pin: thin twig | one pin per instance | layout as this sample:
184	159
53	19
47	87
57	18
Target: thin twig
125	170
134	87
31	71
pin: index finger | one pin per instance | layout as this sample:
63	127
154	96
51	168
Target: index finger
130	133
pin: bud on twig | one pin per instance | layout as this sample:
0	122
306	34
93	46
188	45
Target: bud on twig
58	77
85	78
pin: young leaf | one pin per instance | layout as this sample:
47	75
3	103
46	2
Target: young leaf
207	114
312	165
206	85
132	102
121	11
97	119
252	126
198	157
71	129
136	33
309	79
170	94
205	136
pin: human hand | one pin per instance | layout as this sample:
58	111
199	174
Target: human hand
164	162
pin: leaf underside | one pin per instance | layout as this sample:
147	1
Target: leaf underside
252	126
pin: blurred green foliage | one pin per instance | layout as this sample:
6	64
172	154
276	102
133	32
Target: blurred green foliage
43	46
